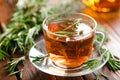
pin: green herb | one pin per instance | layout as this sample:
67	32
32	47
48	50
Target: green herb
11	65
97	77
92	63
26	22
113	62
3	54
15	72
38	58
74	24
81	32
104	75
101	74
64	33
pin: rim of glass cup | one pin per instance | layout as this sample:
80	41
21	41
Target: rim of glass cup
45	27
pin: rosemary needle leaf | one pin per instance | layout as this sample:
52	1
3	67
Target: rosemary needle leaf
15	72
92	63
113	62
101	74
11	65
3	54
38	58
97	77
64	33
104	75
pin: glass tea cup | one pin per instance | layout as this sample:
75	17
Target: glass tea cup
69	38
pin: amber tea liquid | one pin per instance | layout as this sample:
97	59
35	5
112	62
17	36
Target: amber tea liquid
71	51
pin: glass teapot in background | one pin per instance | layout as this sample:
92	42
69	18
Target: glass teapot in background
103	5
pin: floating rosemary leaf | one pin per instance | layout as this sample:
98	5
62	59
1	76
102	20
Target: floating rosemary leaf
74	24
81	32
64	33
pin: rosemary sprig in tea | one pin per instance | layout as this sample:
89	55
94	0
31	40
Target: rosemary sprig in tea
73	25
64	32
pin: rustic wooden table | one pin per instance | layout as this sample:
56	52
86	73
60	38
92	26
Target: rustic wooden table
111	21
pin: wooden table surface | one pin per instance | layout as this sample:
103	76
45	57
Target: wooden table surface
111	21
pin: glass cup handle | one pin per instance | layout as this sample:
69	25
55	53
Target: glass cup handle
101	42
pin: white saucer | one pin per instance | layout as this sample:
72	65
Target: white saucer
48	67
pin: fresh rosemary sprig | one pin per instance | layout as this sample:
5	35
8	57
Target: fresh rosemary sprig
113	62
94	62
104	75
26	22
19	34
101	74
38	58
73	25
91	63
64	33
11	65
